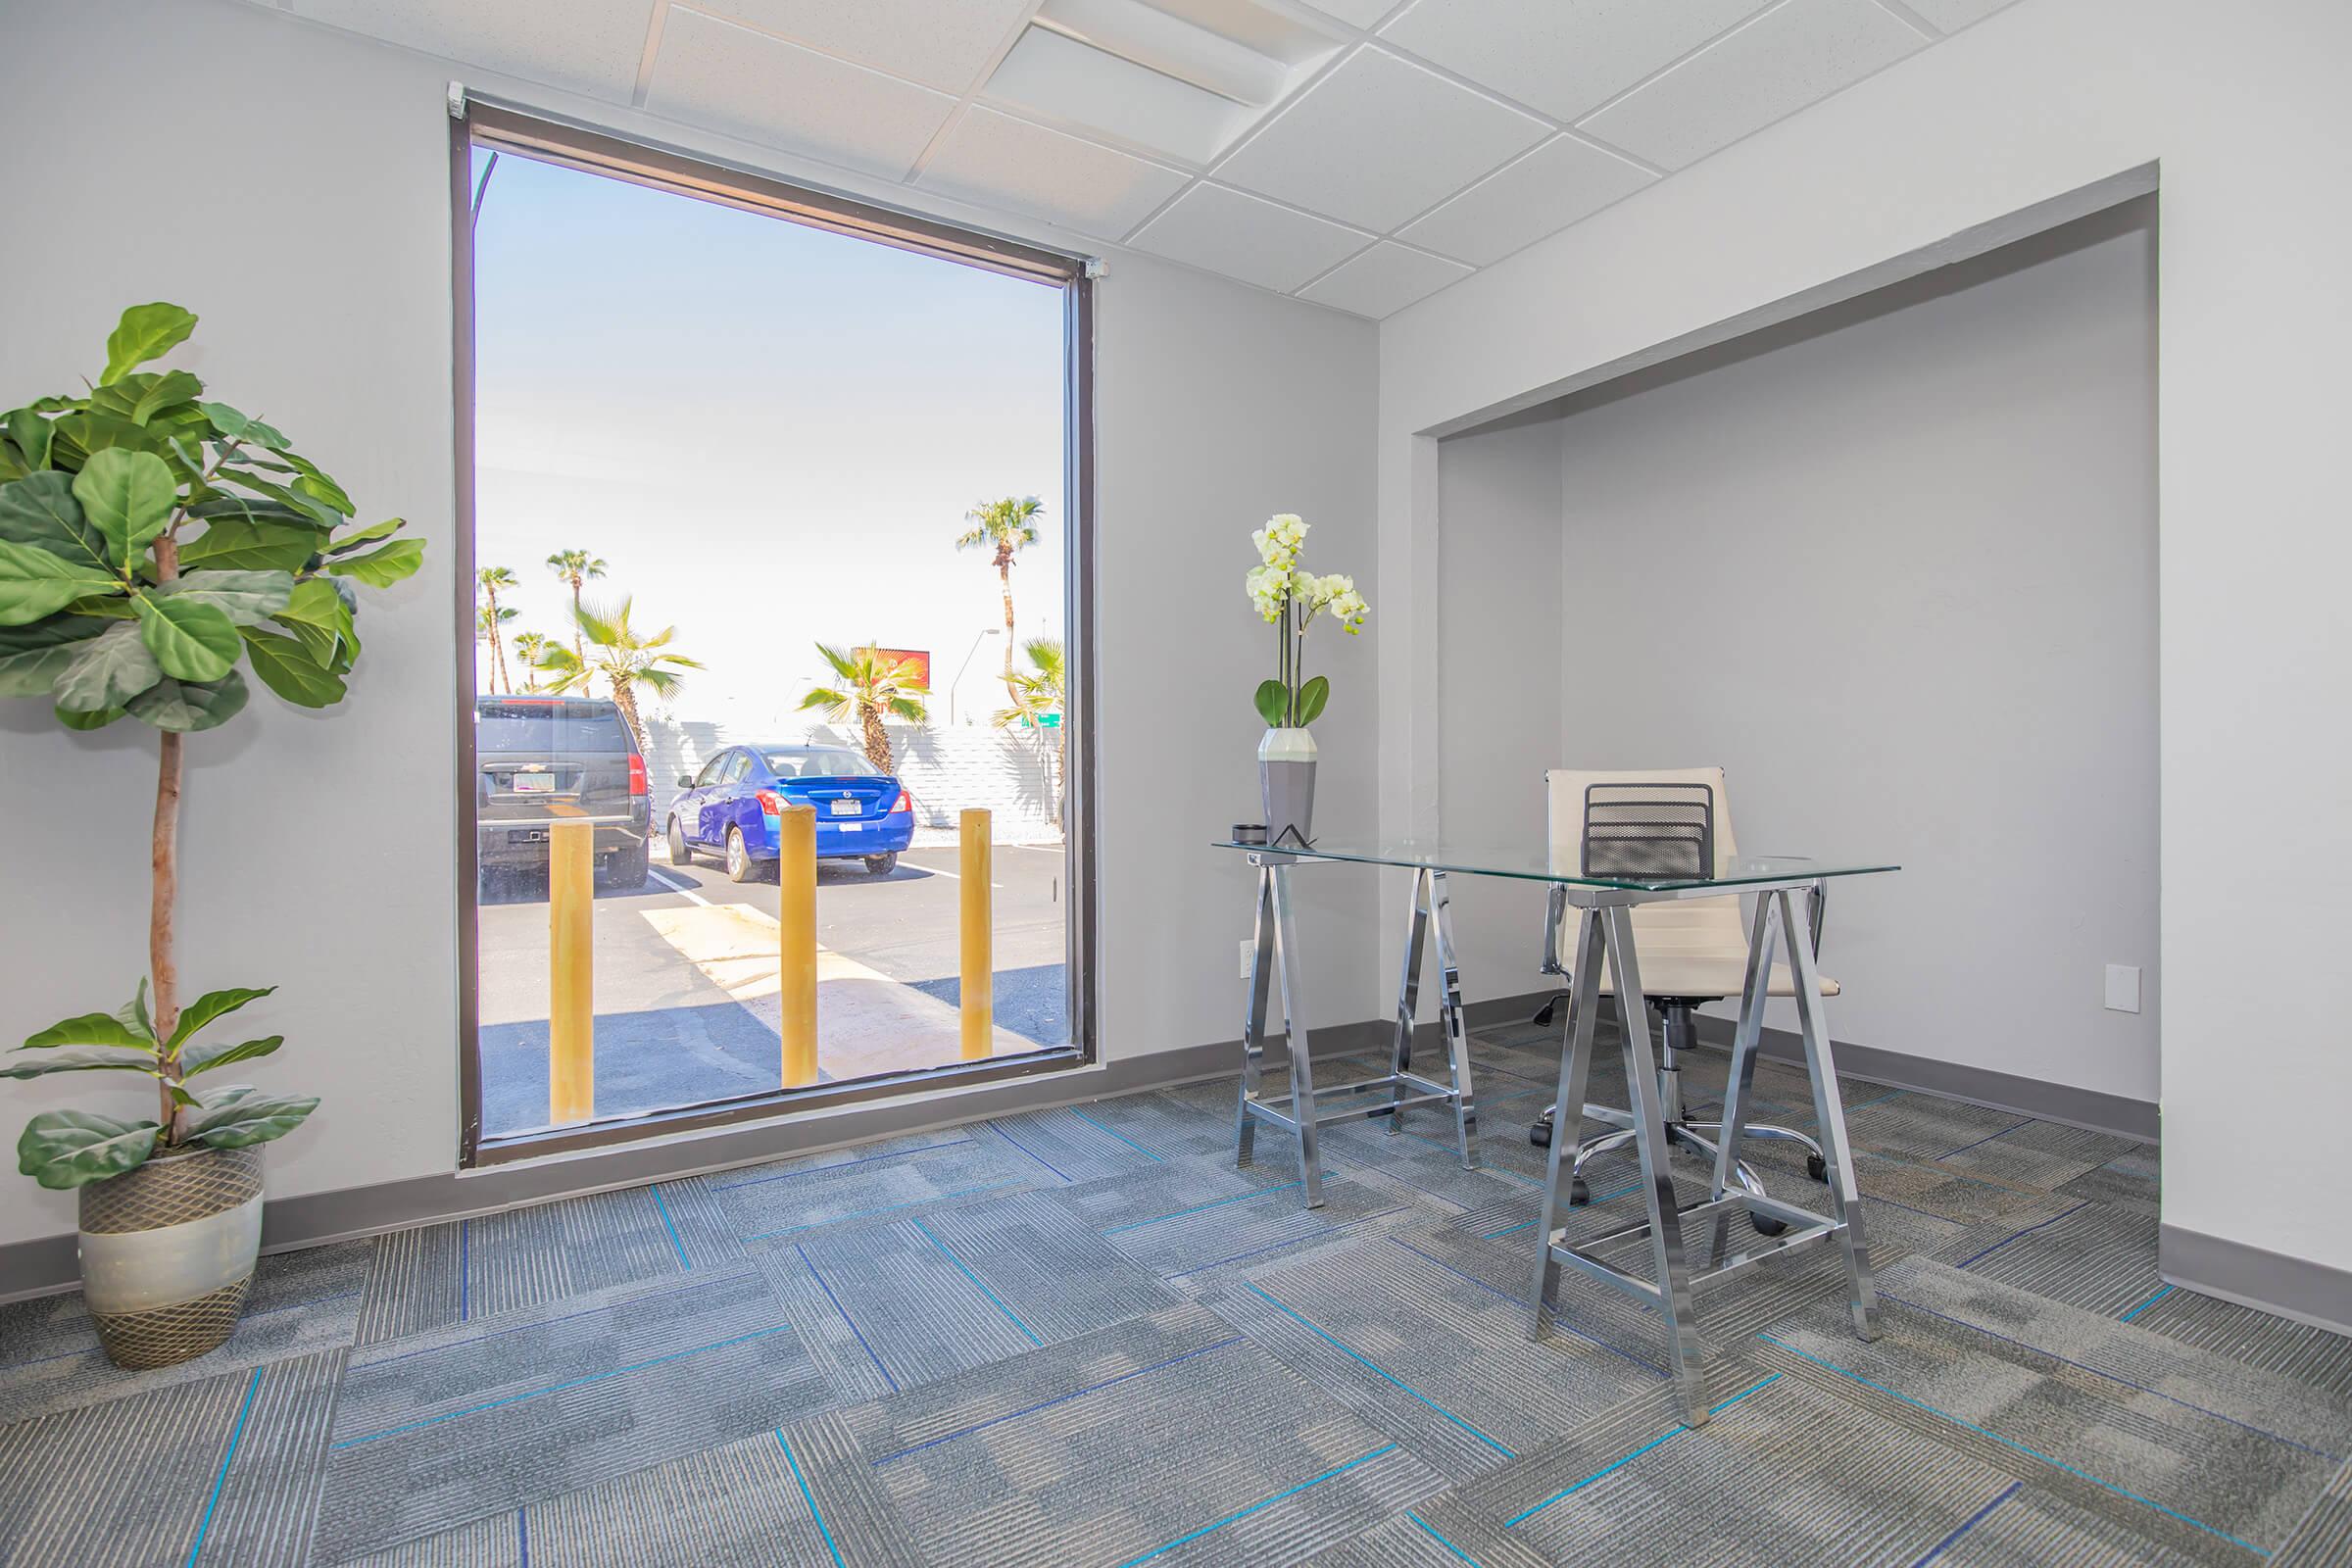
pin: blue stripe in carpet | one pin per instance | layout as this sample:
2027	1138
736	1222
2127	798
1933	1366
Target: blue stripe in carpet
2028	1231
2113	1378
839	1165
1047	1405
203	1528
464	1272
810	1498
662	1209
2144	1305
1031	1153
540	1323
1626	1459
523	1538
1237	1197
1558	1320
1115	1133
1438	1537
1276	1247
886	1208
2012	1442
1987	1138
1367	1361
1588	1202
1267	1502
809	1264
1973	1520
978	1283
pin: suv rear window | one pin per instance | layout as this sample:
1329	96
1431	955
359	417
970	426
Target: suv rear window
505	729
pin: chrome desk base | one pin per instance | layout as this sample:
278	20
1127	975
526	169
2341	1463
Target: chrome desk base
1605	928
1302	1110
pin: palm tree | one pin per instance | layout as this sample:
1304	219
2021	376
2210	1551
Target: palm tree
869	686
1005	526
575	566
487	618
529	648
625	659
1040	690
491	579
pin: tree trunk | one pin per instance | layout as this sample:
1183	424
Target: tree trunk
497	648
624	697
1005	574
877	739
578	651
162	864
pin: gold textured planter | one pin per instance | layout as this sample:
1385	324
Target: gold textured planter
167	1253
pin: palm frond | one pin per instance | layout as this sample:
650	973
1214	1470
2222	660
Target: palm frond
909	708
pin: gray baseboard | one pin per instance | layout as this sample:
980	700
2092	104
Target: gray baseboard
48	1264
1980	1086
2251	1276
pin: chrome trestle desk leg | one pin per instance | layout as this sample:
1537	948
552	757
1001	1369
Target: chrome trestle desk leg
1567	1106
1275	975
1829	1111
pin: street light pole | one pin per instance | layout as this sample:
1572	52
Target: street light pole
985	633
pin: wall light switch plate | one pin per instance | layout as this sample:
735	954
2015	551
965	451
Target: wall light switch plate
1248	953
2123	988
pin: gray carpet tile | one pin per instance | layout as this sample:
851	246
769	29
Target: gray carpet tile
1410	1541
414	1284
2131	1177
2088	1254
745	1503
1037	1460
215	1470
2324	1537
1046	1265
447	1426
1425	1352
1071	1145
2191	1450
1190	1250
794	1198
300	1304
2314	1356
2041	1153
1170	1126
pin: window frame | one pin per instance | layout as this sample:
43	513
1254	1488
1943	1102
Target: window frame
550	137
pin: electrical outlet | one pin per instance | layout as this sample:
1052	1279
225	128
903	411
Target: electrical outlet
1249	955
2123	988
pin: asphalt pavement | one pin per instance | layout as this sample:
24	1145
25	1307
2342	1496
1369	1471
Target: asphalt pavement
669	1033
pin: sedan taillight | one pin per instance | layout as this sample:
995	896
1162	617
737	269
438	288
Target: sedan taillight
770	801
901	803
637	784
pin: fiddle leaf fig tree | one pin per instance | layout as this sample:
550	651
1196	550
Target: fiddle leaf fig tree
152	543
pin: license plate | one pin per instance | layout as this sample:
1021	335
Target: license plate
532	783
847	808
852	827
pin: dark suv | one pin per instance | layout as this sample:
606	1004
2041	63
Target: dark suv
541	760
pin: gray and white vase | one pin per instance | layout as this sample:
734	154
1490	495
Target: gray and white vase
168	1251
1286	782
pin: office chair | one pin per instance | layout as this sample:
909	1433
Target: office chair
1674	823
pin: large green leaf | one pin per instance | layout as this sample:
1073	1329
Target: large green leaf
234	427
40	510
1312	696
81	1059
381	568
30	432
128	496
246	598
318	618
316	484
91	1029
187	706
347	543
204	1059
98	721
133	1014
311	507
31	658
108	671
287	668
34	584
145	332
67	1148
192	641
1271	699
238	543
252	1120
169	391
214	1004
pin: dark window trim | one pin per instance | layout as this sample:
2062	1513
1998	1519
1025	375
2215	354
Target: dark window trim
551	139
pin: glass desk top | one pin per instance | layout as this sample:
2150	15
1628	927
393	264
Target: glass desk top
1538	865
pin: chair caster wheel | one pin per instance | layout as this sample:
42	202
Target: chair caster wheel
1817	1168
1766	1225
1578	1193
1539	1132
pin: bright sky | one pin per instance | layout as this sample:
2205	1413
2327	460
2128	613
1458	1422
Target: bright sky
770	433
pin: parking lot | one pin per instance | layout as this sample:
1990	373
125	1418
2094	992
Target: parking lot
684	971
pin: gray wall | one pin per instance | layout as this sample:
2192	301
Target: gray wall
318	848
1894	565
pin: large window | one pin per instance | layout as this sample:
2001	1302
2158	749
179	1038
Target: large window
777	506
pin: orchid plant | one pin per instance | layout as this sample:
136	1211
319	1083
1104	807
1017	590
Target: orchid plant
1290	597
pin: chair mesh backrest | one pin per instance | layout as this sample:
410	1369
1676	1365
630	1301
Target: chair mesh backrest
1639	829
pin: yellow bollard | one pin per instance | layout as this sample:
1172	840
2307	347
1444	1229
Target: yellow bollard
796	918
570	972
979	966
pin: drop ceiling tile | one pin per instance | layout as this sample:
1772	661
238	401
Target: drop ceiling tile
1555	185
1766	70
1241	236
1362	12
713	72
1384	279
1950	16
944	47
998	160
1563	56
1378	140
590	46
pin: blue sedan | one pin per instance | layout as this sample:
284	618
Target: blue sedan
731	808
